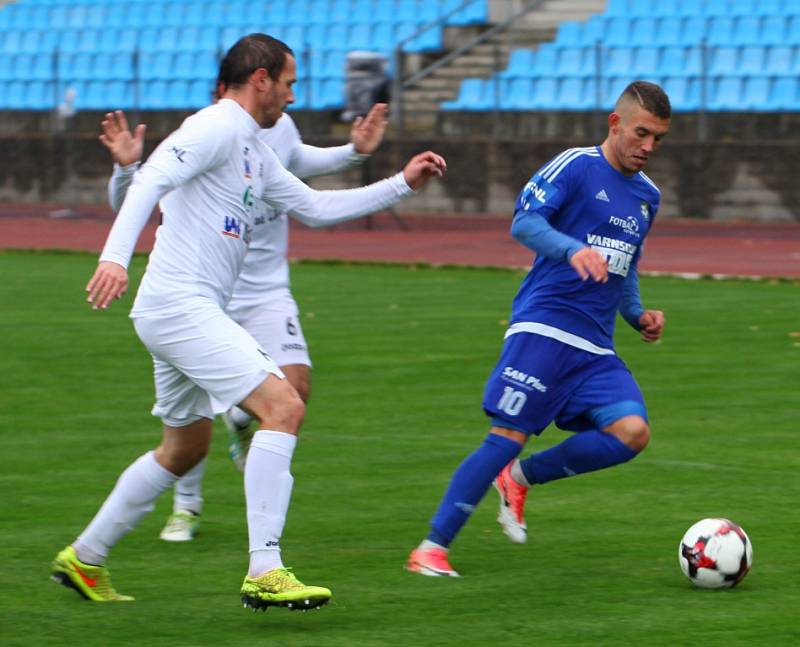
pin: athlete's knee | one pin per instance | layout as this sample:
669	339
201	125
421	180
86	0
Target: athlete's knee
284	412
632	431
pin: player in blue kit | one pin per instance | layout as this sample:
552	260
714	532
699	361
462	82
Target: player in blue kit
586	214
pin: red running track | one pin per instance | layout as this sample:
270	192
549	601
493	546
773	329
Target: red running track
674	247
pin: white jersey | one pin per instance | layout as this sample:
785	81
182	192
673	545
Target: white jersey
265	273
209	176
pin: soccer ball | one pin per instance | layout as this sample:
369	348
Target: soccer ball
715	554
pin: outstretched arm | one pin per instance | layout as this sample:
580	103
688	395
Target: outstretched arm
365	137
285	192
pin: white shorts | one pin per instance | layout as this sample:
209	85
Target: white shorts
204	363
276	327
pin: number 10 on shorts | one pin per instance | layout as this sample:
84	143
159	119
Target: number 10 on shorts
511	402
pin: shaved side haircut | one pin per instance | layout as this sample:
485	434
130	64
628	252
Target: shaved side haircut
648	96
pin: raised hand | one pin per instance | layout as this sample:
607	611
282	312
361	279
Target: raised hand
367	132
422	167
125	148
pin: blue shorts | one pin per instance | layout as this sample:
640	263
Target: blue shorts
539	380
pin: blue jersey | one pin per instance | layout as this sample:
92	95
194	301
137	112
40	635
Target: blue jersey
581	195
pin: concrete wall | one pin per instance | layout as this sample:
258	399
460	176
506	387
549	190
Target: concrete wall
725	180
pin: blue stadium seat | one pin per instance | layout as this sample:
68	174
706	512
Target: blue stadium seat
573	61
618	8
683	91
695	30
10	41
14	95
747	31
756	94
543	94
717	8
720	30
792	36
669	31
35	41
618	32
780	61
751	60
594	30
472	95
784	94
153	95
643	31
359	35
214	14
295	37
570	34
300	97
575	94
639	8
383	36
119	95
645	62
773	30
611	89
326	94
473	14
336	36
97	15
148	39
545	61
155	65
517	93
770	8
664	8
178	94
199	94
429	40
183	67
39	95
680	61
743	8
723	61
520	64
725	94
689	8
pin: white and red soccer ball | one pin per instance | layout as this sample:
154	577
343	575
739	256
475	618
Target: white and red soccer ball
715	554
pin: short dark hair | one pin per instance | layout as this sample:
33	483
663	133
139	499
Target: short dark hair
249	54
649	96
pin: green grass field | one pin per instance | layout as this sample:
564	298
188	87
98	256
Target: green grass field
401	355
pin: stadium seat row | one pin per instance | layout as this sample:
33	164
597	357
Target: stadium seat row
755	93
550	60
671	30
326	94
379	37
702	7
28	15
158	65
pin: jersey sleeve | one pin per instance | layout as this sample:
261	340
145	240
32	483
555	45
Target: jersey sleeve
630	306
308	161
199	145
541	198
286	193
118	184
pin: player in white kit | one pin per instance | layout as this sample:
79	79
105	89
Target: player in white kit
207	177
262	302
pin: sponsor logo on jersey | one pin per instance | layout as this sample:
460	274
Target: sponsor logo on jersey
178	152
286	347
248	172
629	225
602	195
537	190
523	379
618	253
248	199
233	227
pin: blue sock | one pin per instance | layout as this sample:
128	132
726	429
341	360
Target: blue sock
469	484
582	452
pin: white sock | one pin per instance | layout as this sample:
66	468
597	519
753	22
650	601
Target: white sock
189	490
268	489
518	475
239	416
135	494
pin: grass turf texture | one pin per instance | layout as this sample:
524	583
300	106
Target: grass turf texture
400	356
